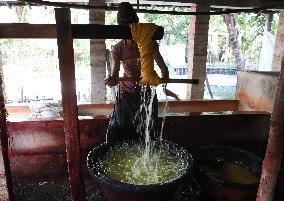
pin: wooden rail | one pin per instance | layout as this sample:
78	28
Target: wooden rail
102	109
181	81
79	31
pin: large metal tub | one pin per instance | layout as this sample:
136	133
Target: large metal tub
119	191
218	188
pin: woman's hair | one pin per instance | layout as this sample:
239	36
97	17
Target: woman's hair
126	14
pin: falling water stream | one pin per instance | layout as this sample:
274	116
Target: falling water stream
164	115
142	163
147	119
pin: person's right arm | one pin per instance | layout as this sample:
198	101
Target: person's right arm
111	80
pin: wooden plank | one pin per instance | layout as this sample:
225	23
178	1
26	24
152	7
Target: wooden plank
200	106
4	146
85	31
181	81
24	30
214	3
69	102
80	31
173	107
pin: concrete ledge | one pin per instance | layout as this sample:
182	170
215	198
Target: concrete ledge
47	137
106	109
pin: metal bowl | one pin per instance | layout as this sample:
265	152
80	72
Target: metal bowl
119	191
219	188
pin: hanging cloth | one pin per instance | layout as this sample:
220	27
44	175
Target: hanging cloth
142	34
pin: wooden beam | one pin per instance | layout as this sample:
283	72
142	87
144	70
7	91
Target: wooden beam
4	146
23	30
213	3
69	102
79	31
181	81
232	3
85	31
200	106
173	107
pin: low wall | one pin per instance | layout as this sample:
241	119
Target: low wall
39	146
196	129
24	112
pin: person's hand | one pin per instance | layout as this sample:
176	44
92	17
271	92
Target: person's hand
165	74
170	93
111	81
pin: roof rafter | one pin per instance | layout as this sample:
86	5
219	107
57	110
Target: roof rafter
171	12
181	3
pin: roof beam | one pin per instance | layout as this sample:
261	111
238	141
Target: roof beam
213	3
171	12
79	31
233	3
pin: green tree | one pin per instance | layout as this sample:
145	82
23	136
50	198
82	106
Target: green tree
176	27
251	31
232	27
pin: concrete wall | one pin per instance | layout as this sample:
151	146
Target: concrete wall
197	55
39	145
47	137
256	90
24	113
97	56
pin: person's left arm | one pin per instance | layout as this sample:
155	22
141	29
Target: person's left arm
164	69
160	61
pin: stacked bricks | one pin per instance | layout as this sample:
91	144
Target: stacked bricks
97	57
198	41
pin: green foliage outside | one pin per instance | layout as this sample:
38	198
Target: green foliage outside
36	58
251	29
176	27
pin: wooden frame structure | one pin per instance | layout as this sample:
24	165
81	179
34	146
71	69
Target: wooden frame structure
79	31
69	102
185	3
65	32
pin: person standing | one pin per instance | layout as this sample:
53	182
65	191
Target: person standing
124	122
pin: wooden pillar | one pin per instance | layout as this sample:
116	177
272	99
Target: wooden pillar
69	102
198	41
274	151
97	57
8	194
278	54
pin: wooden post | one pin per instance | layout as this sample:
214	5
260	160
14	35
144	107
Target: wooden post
275	146
69	102
4	143
79	31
